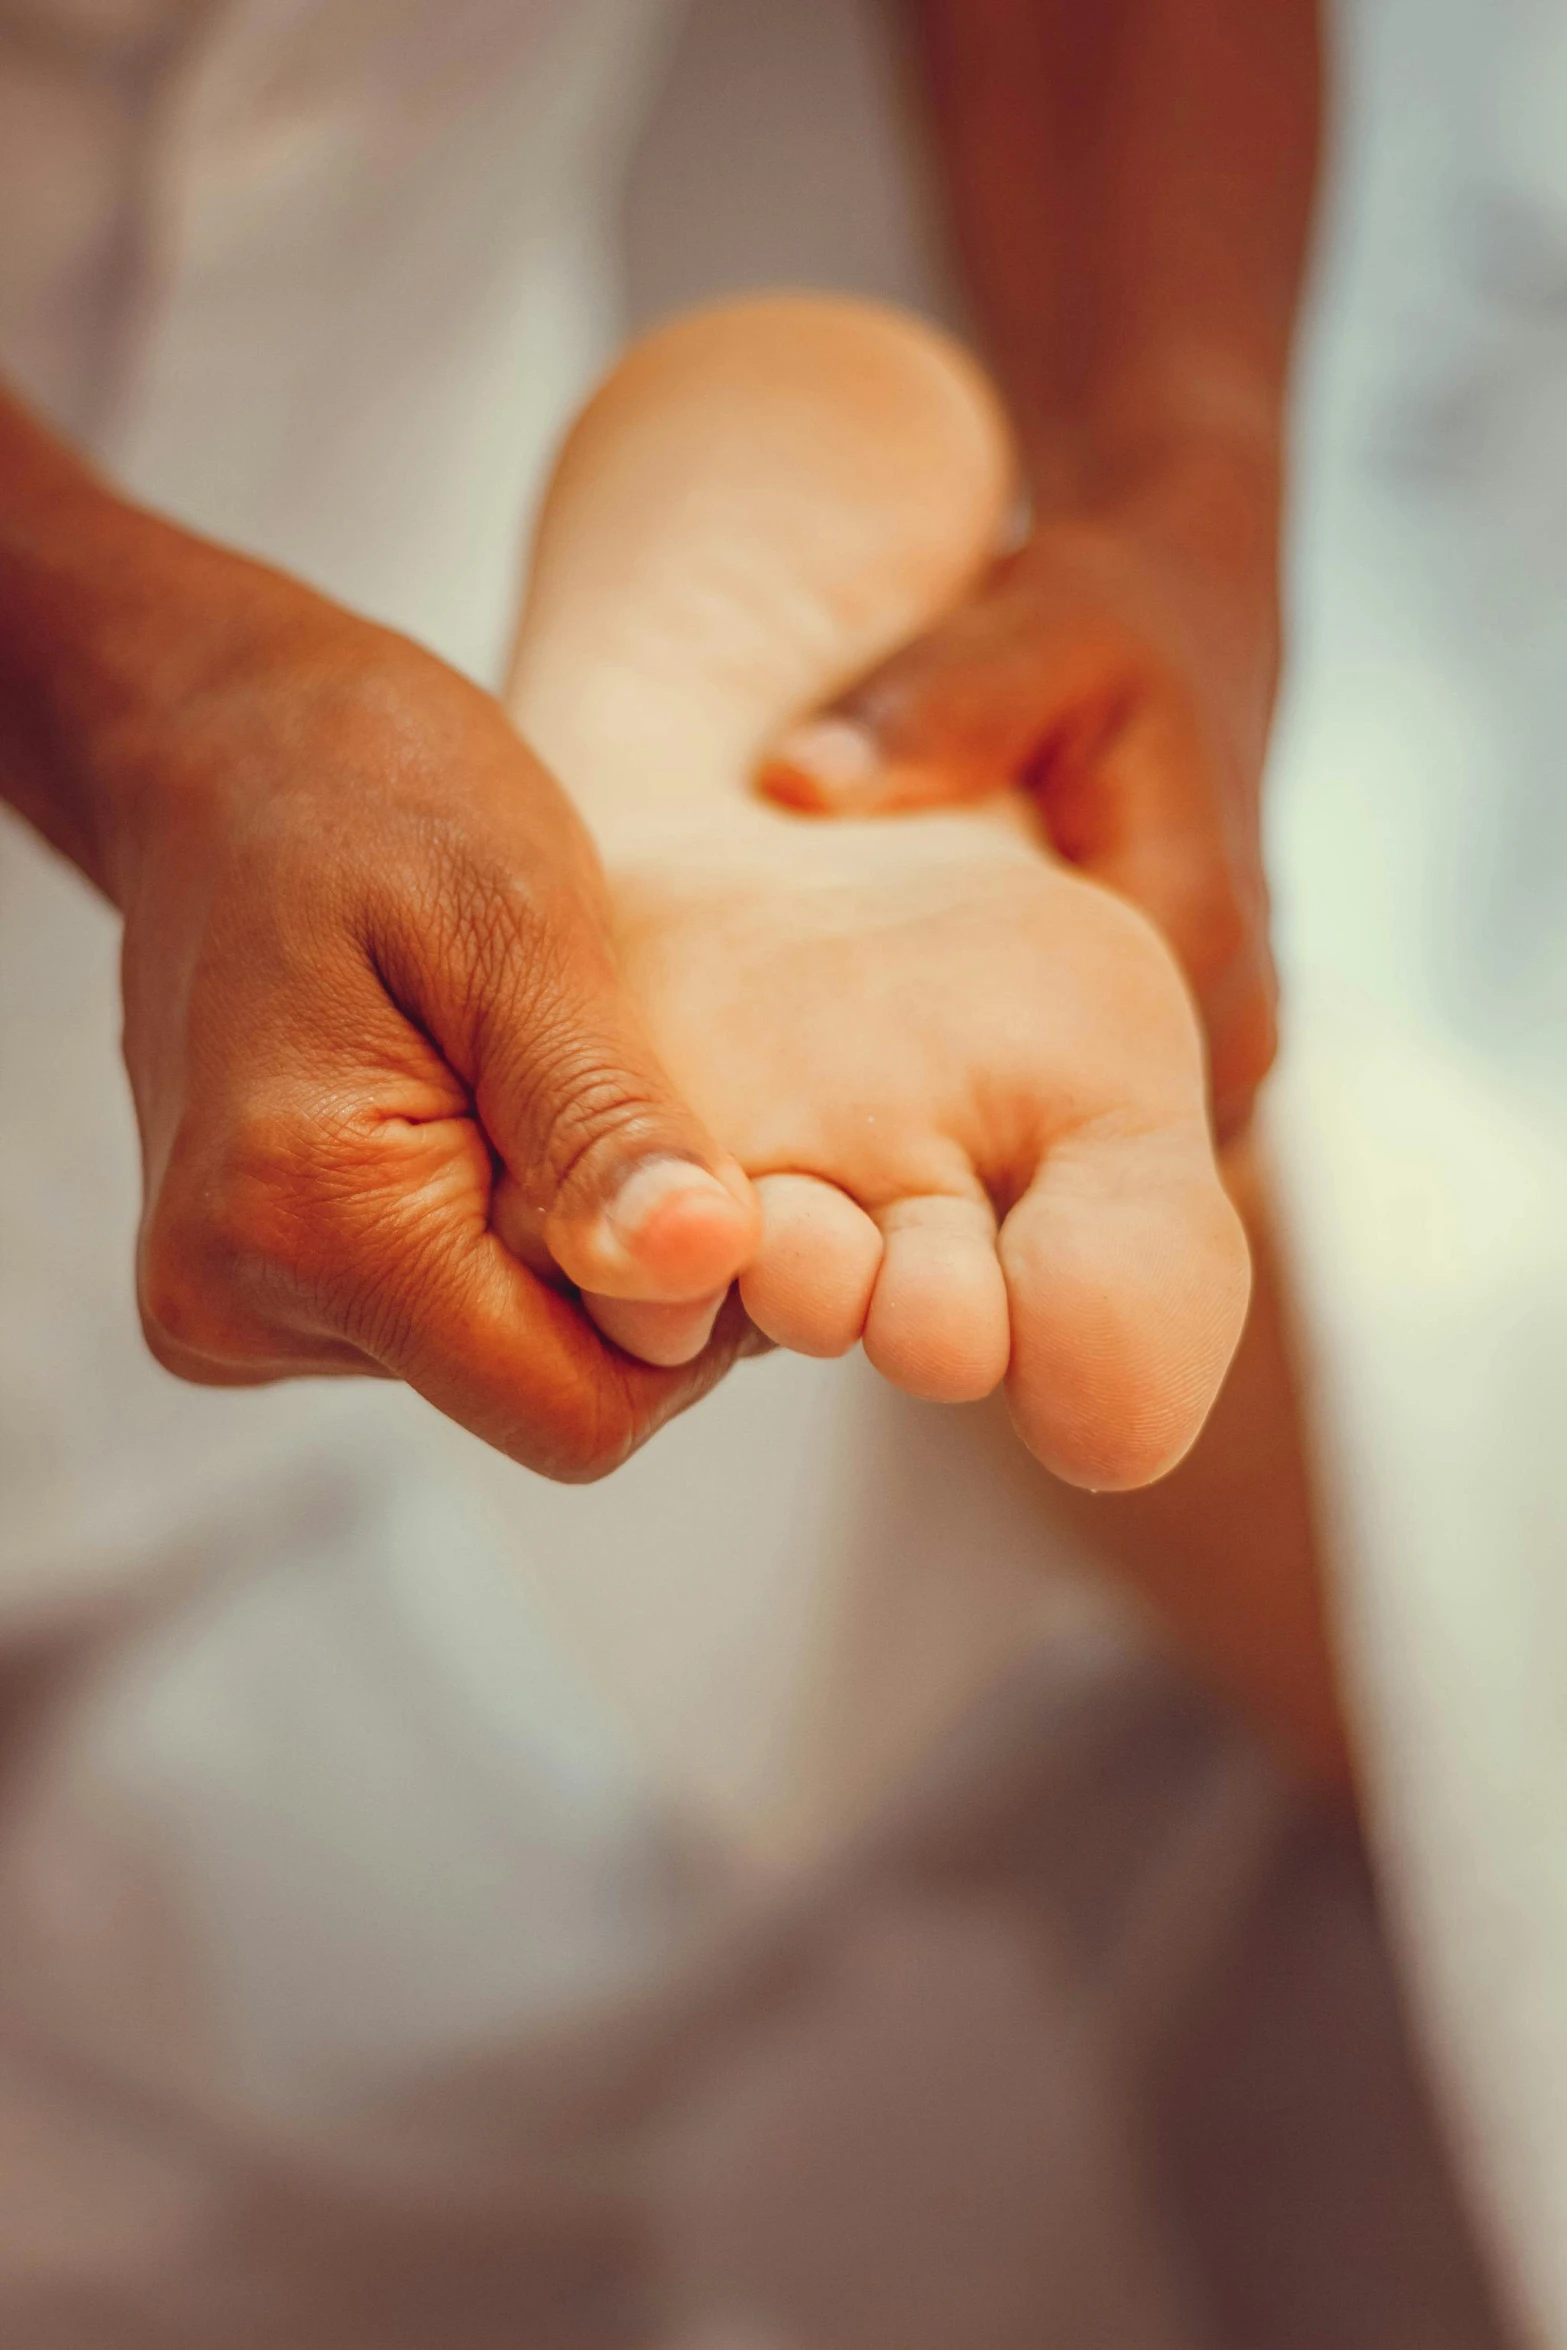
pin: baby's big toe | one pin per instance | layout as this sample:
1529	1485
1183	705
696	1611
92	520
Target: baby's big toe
1129	1278
809	1285
937	1325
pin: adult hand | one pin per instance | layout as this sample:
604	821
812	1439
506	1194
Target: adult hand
1121	663
393	1102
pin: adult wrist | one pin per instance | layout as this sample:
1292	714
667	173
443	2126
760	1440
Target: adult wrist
1191	490
1190	445
110	618
76	590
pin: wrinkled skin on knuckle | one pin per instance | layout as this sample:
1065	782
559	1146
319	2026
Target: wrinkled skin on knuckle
375	1307
350	1248
500	947
245	1245
489	920
600	1121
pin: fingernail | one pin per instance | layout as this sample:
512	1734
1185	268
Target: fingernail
648	1189
836	753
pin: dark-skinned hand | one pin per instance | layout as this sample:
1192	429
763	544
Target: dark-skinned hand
396	1111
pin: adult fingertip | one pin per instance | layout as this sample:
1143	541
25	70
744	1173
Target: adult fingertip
837	767
822	766
674	1232
667	1336
660	1198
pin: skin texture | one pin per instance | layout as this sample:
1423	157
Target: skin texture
967	1083
372	1010
1129	187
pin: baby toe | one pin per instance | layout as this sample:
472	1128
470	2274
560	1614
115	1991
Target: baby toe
938	1322
1128	1276
810	1283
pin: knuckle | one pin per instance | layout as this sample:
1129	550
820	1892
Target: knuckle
176	1316
379	1318
185	1317
518	913
583	1464
592	1438
194	1370
234	1239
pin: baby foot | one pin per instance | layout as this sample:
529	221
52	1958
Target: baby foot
966	1083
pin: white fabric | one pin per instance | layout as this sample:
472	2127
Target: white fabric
1426	1211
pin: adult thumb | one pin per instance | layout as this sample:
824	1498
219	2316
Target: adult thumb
603	1172
609	1172
951	717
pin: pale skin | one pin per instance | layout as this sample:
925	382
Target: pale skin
966	1083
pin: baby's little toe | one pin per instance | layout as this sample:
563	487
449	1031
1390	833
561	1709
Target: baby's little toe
938	1321
809	1284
